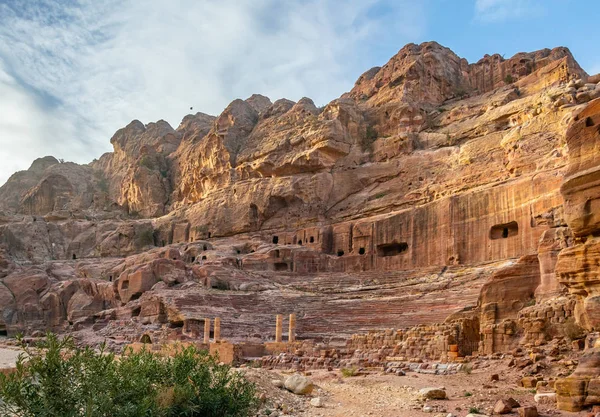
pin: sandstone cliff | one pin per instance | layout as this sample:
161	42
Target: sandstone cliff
435	189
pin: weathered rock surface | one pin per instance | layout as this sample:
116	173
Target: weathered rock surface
437	196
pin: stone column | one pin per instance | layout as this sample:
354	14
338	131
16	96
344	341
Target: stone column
217	329
278	328
292	330
206	331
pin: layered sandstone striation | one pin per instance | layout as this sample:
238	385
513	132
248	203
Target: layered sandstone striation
455	202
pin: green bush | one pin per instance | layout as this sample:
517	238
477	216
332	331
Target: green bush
371	136
348	372
467	368
145	237
59	379
572	330
508	79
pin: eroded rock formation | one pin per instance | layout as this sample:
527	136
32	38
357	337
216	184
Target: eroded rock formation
457	202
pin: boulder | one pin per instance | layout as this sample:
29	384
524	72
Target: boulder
433	393
528	411
502	407
299	384
546	398
316	402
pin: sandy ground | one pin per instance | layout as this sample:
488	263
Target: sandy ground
8	357
384	395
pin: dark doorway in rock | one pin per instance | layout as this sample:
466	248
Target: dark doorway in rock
110	278
136	311
74	256
204	258
146	339
312	239
391	249
125	285
193	259
503	231
340	252
275	240
204	247
281	266
300	242
361	251
3	332
209	235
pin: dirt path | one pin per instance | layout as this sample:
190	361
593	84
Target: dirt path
385	395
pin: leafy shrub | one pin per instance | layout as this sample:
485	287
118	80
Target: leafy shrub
474	410
370	137
572	330
59	379
460	92
202	387
467	368
468	394
145	237
348	372
508	79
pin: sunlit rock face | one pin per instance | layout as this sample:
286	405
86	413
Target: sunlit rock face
577	265
434	188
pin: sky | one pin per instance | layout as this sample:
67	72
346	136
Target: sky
72	72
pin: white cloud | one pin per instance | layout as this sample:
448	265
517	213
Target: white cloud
28	130
499	10
87	69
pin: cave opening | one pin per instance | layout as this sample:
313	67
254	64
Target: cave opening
125	285
391	249
281	266
300	242
504	231
146	339
204	258
589	122
74	256
193	259
275	240
340	252
312	239
361	251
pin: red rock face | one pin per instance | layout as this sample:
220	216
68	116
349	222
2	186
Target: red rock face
576	265
434	188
